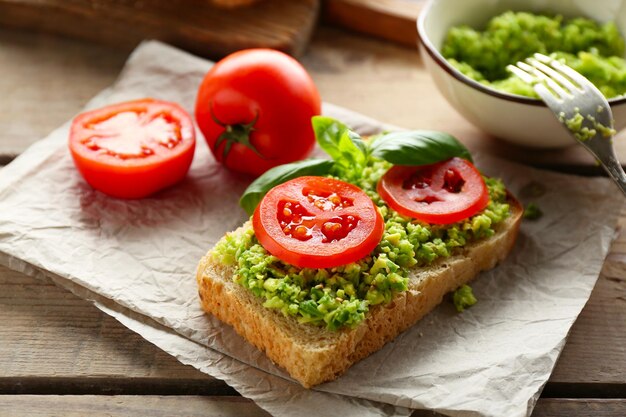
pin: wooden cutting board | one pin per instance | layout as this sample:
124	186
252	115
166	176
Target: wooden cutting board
194	25
393	20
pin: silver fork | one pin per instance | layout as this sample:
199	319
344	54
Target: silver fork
573	99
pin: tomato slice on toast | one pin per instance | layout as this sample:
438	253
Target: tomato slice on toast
441	193
317	222
133	149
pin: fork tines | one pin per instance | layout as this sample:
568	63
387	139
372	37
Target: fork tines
542	71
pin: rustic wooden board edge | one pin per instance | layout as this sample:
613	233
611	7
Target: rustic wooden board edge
118	24
393	20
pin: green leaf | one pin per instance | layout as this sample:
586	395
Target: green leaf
418	147
342	144
277	175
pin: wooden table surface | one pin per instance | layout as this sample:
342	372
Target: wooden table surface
61	356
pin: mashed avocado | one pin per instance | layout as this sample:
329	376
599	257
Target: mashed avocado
594	50
339	297
463	298
584	133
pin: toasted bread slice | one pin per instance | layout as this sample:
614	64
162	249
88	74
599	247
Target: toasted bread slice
313	354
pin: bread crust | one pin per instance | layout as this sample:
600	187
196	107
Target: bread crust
313	354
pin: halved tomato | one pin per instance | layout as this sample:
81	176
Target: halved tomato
133	149
317	222
441	193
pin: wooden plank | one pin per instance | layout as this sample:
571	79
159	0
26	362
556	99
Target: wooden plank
557	407
393	20
113	406
197	26
192	406
33	104
580	408
48	333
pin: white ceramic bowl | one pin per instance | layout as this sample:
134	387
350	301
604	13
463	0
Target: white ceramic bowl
516	119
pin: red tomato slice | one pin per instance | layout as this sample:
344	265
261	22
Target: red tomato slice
317	222
441	193
133	149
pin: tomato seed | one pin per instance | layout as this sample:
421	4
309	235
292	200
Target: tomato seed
302	233
452	181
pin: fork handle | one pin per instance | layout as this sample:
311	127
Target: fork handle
616	172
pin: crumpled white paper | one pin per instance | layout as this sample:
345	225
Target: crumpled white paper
136	260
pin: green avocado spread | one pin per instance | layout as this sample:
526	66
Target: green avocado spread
340	297
584	133
594	50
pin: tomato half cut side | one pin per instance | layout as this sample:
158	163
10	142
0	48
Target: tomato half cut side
441	193
133	149
317	222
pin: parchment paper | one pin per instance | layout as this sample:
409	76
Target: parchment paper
136	260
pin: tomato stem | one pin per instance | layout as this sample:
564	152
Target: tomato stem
235	133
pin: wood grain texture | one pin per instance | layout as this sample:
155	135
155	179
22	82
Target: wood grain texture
114	406
196	406
47	332
580	408
556	407
393	20
46	81
195	25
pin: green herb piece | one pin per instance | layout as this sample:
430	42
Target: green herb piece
277	175
463	298
342	144
532	211
418	147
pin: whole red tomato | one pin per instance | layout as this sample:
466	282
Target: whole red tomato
254	108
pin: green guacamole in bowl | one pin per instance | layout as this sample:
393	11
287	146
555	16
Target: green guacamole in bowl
594	50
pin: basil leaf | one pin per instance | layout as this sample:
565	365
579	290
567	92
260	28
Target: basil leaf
277	175
342	144
356	139
418	147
